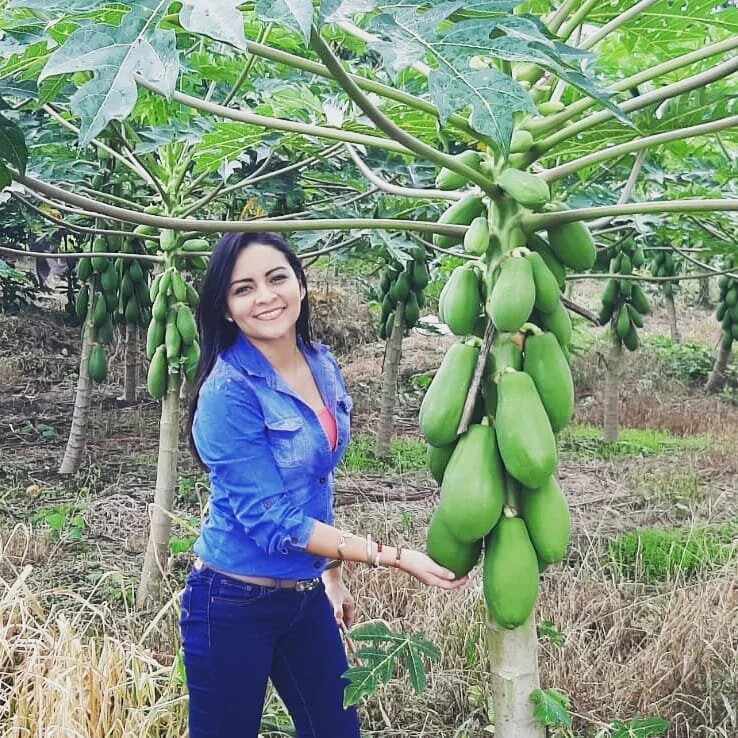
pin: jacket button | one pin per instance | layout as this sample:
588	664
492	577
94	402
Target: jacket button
317	564
322	480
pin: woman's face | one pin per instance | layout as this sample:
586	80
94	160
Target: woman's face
264	294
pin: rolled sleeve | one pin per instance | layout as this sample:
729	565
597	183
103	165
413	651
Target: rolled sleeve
230	436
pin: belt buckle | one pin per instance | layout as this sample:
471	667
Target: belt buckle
305	585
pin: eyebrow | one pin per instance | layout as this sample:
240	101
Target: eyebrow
250	279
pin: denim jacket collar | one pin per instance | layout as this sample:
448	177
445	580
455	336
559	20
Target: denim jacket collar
250	360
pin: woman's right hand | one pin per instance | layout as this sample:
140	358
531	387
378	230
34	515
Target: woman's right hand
423	568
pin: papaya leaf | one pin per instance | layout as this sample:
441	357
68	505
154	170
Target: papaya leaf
551	707
335	11
5	178
415	670
13	149
297	15
363	683
62	6
426	647
648	727
222	21
114	54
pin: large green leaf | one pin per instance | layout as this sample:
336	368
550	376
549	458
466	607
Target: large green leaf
221	21
114	54
13	149
294	14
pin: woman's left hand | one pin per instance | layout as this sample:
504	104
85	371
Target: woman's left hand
344	607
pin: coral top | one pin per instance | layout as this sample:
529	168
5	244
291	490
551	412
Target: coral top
328	421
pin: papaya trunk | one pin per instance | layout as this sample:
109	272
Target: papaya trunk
703	294
514	666
717	377
389	383
673	325
157	549
611	426
78	432
130	351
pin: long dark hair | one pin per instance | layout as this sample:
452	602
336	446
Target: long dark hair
217	333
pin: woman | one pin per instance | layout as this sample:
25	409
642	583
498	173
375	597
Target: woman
270	422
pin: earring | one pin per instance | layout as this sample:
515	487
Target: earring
229	319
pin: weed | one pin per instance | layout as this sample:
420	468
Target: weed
653	555
405	454
65	522
674	487
689	363
586	441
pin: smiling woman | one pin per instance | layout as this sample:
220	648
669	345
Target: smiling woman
270	422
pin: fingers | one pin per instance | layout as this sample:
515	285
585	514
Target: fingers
349	614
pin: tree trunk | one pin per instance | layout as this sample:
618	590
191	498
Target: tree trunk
671	312
611	426
130	353
157	550
703	295
514	665
717	376
389	383
78	432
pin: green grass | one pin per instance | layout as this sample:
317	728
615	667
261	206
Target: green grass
653	555
405	455
674	487
585	441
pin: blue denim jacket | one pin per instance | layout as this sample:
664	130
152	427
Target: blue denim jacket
271	466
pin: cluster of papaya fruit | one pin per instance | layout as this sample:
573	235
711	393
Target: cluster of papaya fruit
403	284
663	264
624	303
100	295
499	492
727	307
172	339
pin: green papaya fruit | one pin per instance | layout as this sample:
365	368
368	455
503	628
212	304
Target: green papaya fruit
193	297
559	323
548	520
167	240
548	294
421	276
622	324
99	310
445	549
172	340
719	312
99	246
544	361
84	269
106	332
186	325
437	460
610	293
131	311
510	573
97	365
639	257
731	297
461	212
639	300
154	337
81	302
135	272
540	246
630	339
626	266
443	402
635	317
160	308
473	487
524	435
521	141
412	311
726	342
447	179
573	245
461	300
476	239
550	107
156	379
513	295
191	355
526	188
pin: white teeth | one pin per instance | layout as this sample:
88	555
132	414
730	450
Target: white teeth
271	314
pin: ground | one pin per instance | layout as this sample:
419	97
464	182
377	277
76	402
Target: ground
618	644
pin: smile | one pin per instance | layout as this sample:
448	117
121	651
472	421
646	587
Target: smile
270	314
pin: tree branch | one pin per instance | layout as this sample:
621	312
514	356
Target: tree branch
278	124
679	134
696	81
616	23
537	221
397	189
471	395
79	254
229	226
386	125
579	310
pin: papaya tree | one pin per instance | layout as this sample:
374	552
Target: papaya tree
519	83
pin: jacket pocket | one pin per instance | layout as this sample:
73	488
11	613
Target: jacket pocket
287	439
234	592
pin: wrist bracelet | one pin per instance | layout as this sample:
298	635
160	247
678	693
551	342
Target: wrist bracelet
398	553
342	545
369	558
335	564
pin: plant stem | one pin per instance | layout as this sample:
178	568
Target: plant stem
554	122
471	395
640	144
386	125
397	189
577	19
278	124
237	226
535	222
386	91
79	254
558	18
637	103
616	23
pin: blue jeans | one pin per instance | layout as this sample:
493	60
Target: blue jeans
237	635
